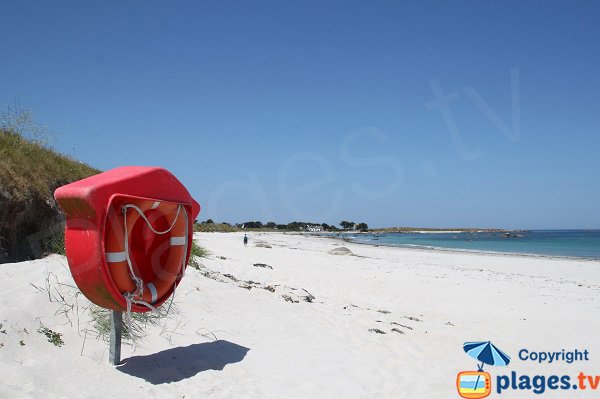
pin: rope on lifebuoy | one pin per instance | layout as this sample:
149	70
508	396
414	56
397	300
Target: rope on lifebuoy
139	283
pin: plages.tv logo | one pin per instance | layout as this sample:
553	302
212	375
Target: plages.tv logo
478	384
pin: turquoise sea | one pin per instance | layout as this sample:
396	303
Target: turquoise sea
568	243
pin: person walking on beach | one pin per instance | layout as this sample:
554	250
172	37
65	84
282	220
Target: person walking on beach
245	240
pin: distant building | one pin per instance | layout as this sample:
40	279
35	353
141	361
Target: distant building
314	229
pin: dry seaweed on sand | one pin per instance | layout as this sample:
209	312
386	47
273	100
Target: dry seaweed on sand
263	265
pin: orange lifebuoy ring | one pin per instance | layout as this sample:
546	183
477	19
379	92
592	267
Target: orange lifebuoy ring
87	203
145	260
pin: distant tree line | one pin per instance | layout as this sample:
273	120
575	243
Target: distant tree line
346	225
210	221
296	226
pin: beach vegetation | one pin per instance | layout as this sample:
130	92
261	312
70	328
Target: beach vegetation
362	227
140	322
55	338
215	228
209	226
252	225
346	225
197	252
55	242
30	171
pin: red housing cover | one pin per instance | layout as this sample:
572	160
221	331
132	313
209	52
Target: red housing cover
85	204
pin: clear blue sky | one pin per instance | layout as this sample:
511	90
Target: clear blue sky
478	113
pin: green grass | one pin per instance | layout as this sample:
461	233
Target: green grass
28	167
30	171
215	228
55	244
54	337
197	252
139	321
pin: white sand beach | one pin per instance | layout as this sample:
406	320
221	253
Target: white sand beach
288	319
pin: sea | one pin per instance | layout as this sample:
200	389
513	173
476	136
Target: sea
563	243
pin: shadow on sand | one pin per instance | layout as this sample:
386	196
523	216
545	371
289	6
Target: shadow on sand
177	364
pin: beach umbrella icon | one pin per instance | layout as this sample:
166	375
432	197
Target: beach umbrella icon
486	353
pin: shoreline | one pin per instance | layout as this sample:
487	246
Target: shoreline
452	250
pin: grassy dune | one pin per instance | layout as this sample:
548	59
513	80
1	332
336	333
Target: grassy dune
215	228
29	173
27	167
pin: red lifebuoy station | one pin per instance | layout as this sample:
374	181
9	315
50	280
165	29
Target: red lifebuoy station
128	235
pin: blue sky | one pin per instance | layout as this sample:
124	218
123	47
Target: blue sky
325	111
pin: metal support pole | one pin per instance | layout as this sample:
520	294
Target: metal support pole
116	328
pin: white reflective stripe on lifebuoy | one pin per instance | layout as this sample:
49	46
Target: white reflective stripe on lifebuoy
155	205
152	289
116	257
178	240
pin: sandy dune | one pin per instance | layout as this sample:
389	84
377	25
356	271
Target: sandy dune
296	321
